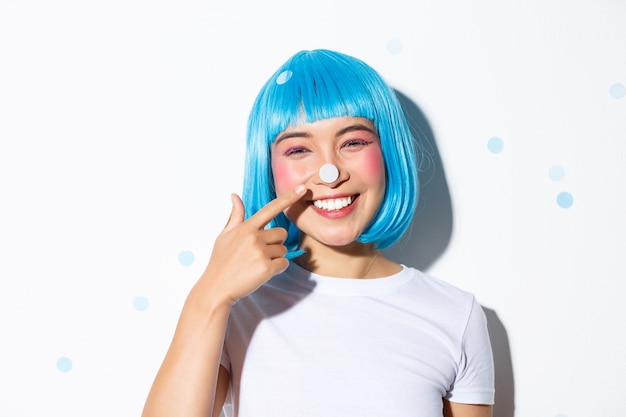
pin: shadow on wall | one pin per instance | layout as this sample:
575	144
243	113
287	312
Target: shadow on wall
505	388
429	236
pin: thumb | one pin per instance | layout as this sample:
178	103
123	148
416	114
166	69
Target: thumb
236	214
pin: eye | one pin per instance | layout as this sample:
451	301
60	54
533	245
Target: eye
295	151
356	143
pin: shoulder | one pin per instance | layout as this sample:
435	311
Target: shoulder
437	287
439	297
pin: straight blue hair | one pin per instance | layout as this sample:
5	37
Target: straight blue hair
323	84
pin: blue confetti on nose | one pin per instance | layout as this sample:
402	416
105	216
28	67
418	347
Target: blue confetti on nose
565	200
617	91
141	303
394	47
495	145
557	173
64	364
283	77
186	258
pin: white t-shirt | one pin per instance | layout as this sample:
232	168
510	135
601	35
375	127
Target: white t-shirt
308	345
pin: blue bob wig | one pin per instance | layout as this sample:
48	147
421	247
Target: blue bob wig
322	84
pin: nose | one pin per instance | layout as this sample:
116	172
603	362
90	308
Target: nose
328	173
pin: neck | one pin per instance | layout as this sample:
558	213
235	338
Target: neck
356	260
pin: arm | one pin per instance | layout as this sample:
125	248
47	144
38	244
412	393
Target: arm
452	409
188	375
245	255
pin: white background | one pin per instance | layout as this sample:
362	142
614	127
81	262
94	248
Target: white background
122	133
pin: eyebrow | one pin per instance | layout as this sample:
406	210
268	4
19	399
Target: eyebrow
343	131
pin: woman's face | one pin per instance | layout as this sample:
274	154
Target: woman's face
337	212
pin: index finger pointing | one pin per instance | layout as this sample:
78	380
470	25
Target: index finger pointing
272	209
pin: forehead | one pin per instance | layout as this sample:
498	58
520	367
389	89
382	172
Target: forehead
334	125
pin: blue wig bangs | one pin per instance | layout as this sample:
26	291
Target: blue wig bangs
311	86
322	84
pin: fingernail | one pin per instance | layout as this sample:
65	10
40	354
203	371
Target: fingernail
300	189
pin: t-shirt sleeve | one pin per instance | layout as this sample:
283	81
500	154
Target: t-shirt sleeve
474	382
225	359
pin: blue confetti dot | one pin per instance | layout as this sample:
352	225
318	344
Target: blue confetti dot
495	145
141	303
565	200
186	258
394	47
617	91
283	77
557	173
64	364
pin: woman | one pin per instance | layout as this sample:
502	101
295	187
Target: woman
298	313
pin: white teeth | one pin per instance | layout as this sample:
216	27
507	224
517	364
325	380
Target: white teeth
333	203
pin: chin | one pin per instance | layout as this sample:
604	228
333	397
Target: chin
333	235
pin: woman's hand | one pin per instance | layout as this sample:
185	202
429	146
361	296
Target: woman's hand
245	254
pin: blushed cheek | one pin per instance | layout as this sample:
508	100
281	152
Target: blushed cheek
285	178
373	166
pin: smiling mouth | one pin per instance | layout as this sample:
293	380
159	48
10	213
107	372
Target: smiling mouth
334	204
